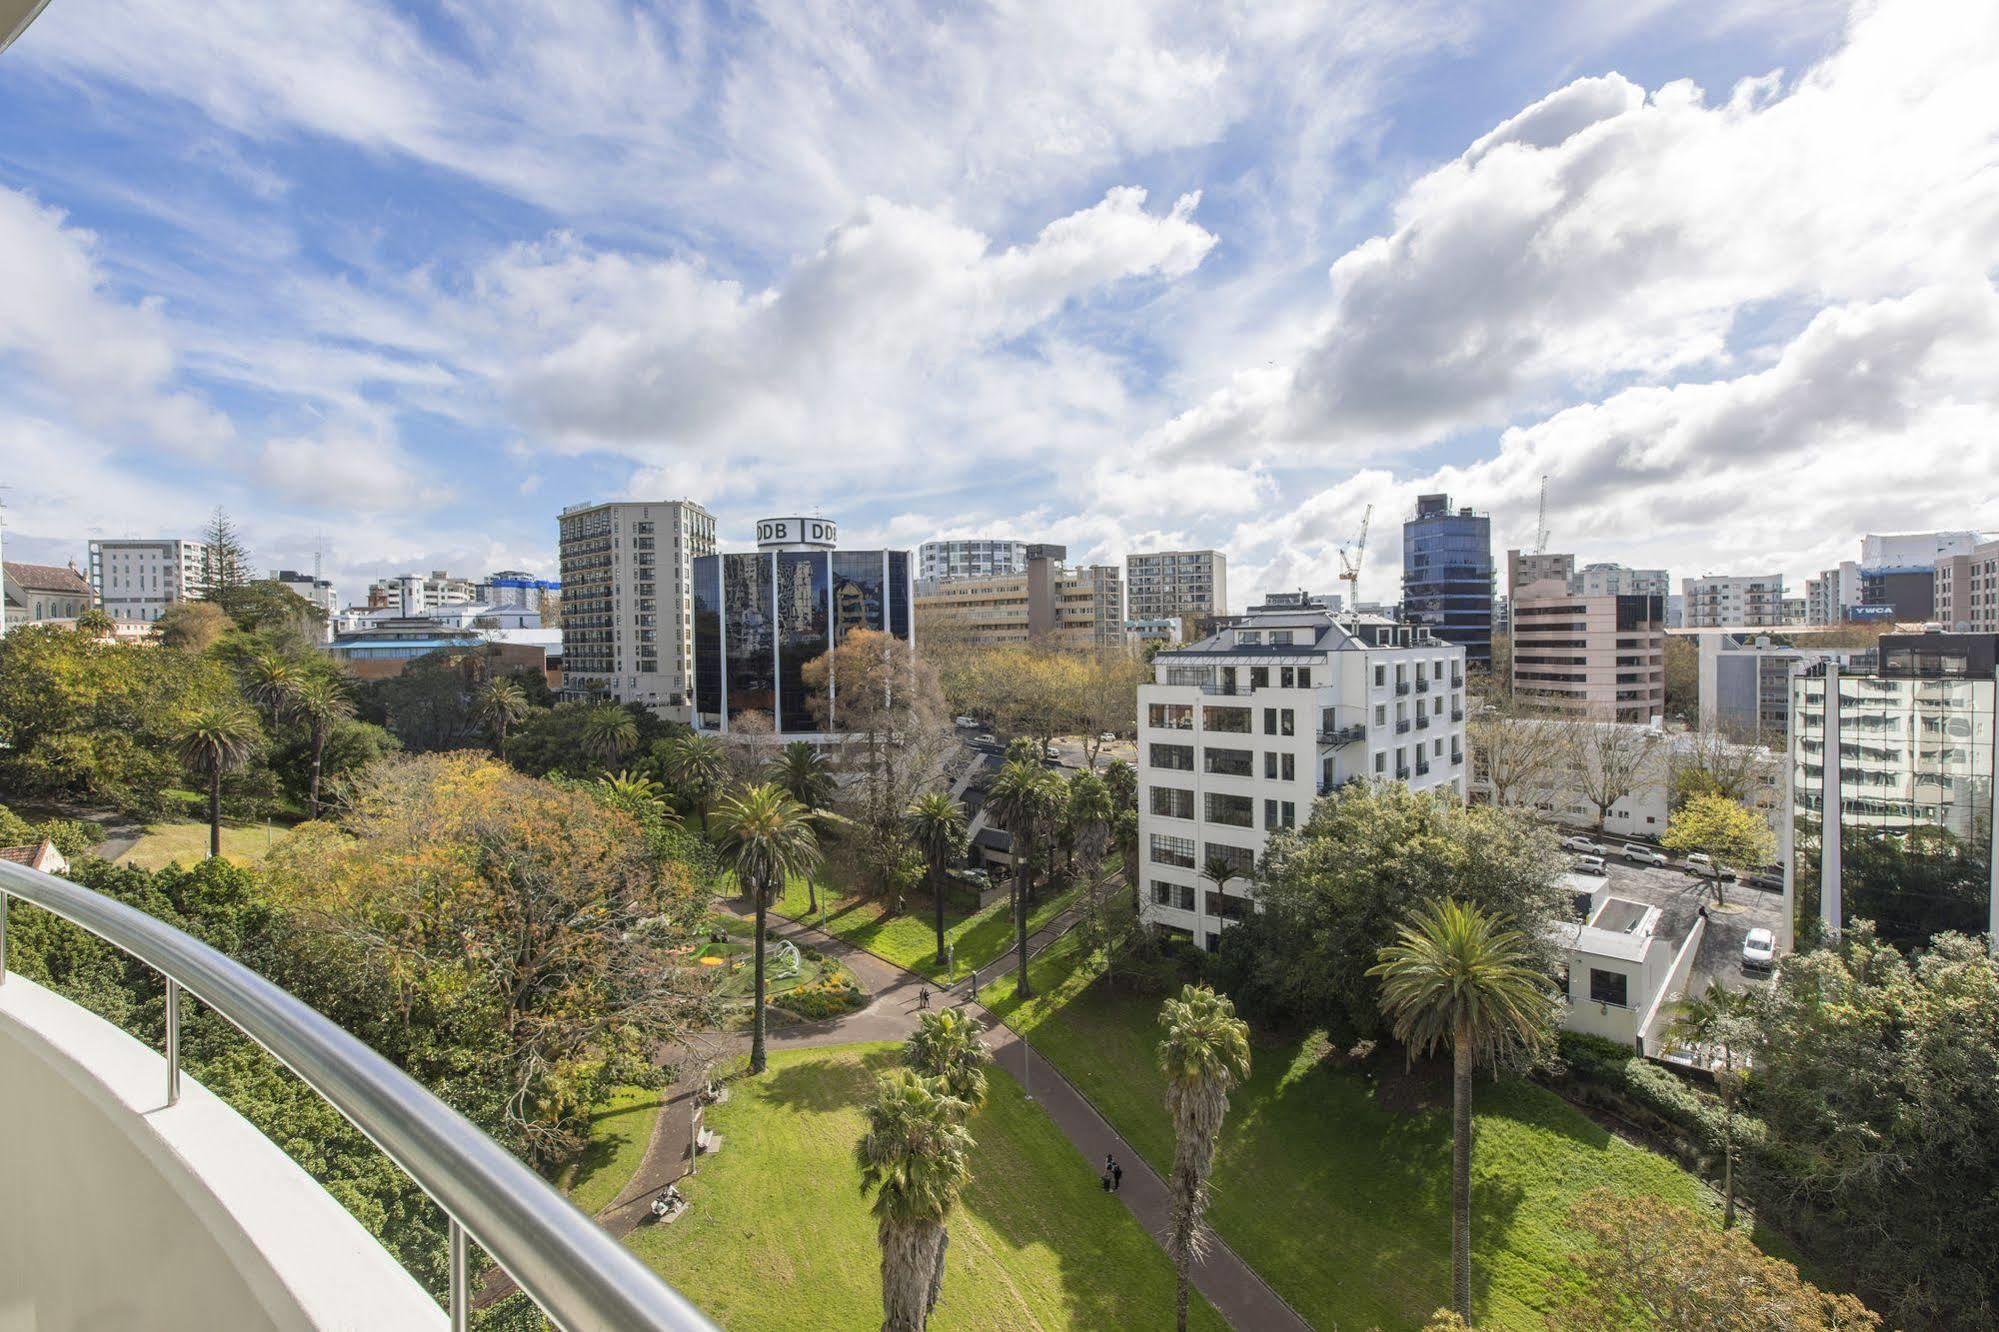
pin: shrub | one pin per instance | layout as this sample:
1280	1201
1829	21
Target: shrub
1605	1073
816	1003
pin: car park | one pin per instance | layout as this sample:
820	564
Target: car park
1590	865
1582	844
1641	854
1759	950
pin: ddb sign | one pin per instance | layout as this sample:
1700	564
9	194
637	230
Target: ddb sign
776	532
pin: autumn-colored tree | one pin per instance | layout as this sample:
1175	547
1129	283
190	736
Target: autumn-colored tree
1720	828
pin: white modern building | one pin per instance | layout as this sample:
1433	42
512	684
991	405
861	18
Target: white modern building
1713	601
1240	732
1967	590
1627	963
515	587
969	557
318	591
1898	550
135	581
420	594
627	603
1192	584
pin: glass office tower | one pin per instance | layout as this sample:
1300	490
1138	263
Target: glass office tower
1447	575
1892	780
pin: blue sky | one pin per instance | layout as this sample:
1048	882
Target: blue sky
402	281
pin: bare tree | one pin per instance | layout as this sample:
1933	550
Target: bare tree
1609	760
1512	754
1716	760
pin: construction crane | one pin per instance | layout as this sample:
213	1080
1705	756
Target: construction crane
1541	521
1350	565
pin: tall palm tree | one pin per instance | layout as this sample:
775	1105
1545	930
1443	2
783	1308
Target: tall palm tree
1023	749
1718	1023
1217	870
272	681
1457	976
500	703
96	622
936	823
695	767
803	771
1089	809
1122	779
639	796
768	836
946	1045
320	699
1124	833
212	740
1205	1052
916	1157
1017	799
609	733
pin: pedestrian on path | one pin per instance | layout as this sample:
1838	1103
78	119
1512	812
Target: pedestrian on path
923	996
1117	1177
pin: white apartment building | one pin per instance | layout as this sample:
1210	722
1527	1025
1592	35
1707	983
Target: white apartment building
1240	732
1617	580
1187	583
1714	601
136	580
969	557
1967	590
1908	550
419	594
627	600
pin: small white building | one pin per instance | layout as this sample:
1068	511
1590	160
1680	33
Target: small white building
1627	966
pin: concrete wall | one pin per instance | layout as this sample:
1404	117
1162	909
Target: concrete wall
120	1213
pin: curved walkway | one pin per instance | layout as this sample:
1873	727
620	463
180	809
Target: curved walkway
1242	1297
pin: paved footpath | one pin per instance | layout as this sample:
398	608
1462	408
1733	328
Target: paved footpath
1231	1285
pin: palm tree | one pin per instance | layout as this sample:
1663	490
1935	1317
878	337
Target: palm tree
1122	779
695	767
946	1045
1089	809
1017	799
1125	834
1217	870
1719	1022
1456	975
212	740
769	837
96	622
320	698
272	682
1023	749
1205	1052
803	771
638	795
936	824
500	703
916	1156
609	733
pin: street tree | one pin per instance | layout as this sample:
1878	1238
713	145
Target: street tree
767	838
1610	760
1720	828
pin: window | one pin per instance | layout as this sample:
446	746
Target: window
1380	676
1240	859
1270	766
1230	762
1226	721
1184	892
1162	893
1173	803
1287	767
1178	758
1287	676
1230	811
1381	760
1280	638
1381	714
1259	677
1608	987
1287	722
1249	637
1171	716
1173	850
1279	814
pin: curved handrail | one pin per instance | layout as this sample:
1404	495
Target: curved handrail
578	1274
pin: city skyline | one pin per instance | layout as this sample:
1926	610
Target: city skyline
1193	291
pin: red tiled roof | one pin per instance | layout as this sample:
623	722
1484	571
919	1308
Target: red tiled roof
27	855
49	578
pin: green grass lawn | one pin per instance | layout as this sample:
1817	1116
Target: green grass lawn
779	1235
910	939
1340	1202
620	1130
187	842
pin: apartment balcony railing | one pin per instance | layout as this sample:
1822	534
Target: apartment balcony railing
1402	772
1401	686
579	1275
1457	757
1457	714
1422	721
1422	768
1402	727
1351	734
1422	684
1230	690
1457	680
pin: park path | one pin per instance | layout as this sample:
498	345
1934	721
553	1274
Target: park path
1242	1297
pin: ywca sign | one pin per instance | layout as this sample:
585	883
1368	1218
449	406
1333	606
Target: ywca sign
820	532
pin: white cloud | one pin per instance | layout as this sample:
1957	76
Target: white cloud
345	469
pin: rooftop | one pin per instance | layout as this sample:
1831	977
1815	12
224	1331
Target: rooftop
48	578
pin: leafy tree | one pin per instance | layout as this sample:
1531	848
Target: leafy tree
272	613
320	700
95	622
767	837
1205	1052
1456	976
214	740
936	824
499	704
1644	1263
428	706
1719	1026
694	768
1873	1073
916	1158
1682	662
72	837
192	626
948	1045
226	561
1716	825
609	733
271	681
1333	890
1715	761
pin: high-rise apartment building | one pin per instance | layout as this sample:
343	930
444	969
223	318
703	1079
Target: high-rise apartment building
420	594
1048	602
627	607
1602	657
761	615
1828	596
1744	680
1523	568
1967	590
135	581
1192	584
1447	575
1616	580
969	557
1715	601
1240	732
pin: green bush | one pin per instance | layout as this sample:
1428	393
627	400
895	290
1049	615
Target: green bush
816	1003
1605	1073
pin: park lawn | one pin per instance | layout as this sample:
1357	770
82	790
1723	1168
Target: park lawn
779	1236
909	939
186	841
620	1130
1340	1202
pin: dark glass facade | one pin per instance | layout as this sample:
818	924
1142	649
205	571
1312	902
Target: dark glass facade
1447	575
760	617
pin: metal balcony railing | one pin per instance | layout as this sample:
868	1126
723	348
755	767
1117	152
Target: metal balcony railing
1457	714
1422	721
1351	734
1422	684
1402	772
1422	768
581	1277
1402	727
1401	686
1228	689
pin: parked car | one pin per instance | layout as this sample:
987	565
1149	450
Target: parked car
984	738
1702	864
1759	950
1770	881
1583	844
1050	753
969	723
1106	737
1590	865
1642	854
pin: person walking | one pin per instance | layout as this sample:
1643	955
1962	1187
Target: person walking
1117	1177
923	996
